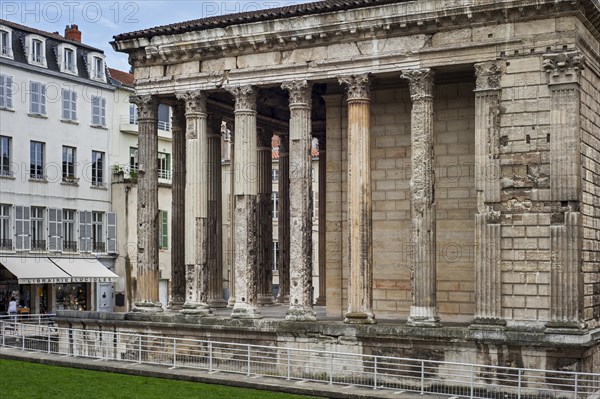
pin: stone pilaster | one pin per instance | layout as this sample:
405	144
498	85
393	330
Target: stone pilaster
283	221
196	223
564	70
488	282
245	191
360	290
231	248
215	225
264	218
146	292
178	209
422	201
300	143
321	299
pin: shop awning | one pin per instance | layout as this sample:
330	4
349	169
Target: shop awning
31	270
83	270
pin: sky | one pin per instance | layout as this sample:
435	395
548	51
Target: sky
100	20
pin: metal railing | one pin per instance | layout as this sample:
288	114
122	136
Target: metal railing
333	368
38	245
133	120
6	244
70	246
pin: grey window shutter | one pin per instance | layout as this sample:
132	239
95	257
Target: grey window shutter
22	228
9	103
54	229
103	111
111	233
42	99
85	231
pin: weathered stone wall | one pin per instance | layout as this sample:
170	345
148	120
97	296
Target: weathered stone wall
590	197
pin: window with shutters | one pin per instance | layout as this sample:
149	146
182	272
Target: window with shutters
5	230
37	98
5	156
68	164
111	233
98	111
69	105
97	232
36	169
22	228
68	228
98	169
85	231
55	229
163	231
275	198
6	90
38	232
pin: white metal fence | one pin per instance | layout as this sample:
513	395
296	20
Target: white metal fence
377	372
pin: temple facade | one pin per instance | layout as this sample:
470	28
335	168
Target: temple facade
459	161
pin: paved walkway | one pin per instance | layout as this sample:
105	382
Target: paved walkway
230	379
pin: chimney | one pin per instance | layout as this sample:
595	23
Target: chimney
72	32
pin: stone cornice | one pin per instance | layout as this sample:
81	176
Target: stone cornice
305	31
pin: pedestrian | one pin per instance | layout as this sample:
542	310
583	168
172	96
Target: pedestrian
12	308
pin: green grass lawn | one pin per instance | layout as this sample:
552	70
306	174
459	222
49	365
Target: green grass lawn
32	380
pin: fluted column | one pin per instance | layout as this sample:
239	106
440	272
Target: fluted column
360	290
488	282
424	308
178	209
196	223
215	226
321	299
300	142
283	221
245	190
146	292
231	247
264	218
566	231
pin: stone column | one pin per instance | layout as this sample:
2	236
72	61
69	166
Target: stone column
146	293
264	218
564	70
283	221
488	281
321	299
300	142
215	226
231	248
178	210
360	290
422	201
196	203
245	191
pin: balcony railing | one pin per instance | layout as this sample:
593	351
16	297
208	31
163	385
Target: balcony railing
99	247
98	183
38	245
6	244
133	120
164	174
6	172
70	246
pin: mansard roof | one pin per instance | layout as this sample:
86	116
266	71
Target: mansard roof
223	21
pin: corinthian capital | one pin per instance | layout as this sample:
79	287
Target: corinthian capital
420	82
195	101
488	75
245	97
147	106
563	67
358	86
299	90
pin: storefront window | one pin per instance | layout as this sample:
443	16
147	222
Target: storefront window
71	296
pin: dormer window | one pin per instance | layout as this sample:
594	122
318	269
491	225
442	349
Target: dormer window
37	54
69	61
5	43
98	68
95	64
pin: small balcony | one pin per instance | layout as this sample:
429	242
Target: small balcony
70	246
99	247
38	245
6	244
129	124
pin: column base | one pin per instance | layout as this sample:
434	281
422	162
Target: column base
483	323
266	300
217	303
284	300
321	301
423	317
297	313
196	309
231	302
359	318
245	311
175	305
565	327
147	307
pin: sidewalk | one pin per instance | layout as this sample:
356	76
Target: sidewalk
230	379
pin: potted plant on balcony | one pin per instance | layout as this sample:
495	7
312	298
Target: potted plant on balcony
71	179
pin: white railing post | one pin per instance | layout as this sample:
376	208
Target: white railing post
422	377
74	346
48	329
519	386
575	387
210	357
22	337
472	380
289	364
3	333
248	373
140	350
174	352
375	373
330	368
